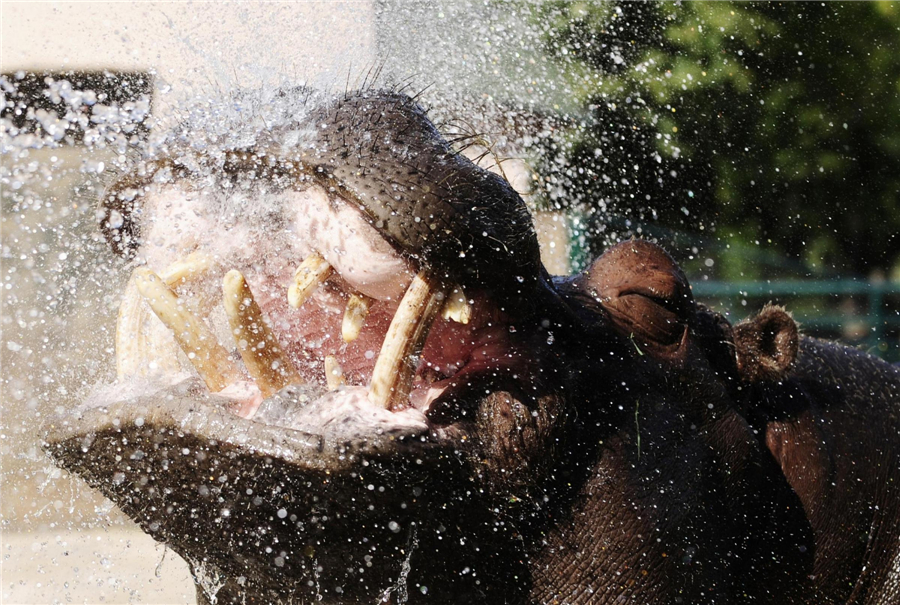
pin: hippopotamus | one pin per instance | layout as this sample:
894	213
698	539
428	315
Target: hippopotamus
344	376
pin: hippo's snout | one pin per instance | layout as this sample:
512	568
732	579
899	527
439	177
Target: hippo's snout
295	314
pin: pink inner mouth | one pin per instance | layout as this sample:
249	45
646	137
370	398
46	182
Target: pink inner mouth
452	352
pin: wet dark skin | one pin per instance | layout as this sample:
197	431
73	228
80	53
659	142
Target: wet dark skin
832	422
638	449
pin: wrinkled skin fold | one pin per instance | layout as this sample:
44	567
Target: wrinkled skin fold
345	377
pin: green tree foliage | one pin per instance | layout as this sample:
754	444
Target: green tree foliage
774	125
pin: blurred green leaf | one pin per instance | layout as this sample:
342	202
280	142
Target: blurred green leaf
782	119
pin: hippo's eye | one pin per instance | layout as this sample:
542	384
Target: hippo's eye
643	292
649	322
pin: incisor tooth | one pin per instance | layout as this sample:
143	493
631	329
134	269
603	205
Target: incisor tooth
209	357
395	368
355	316
334	375
457	307
309	275
144	346
259	349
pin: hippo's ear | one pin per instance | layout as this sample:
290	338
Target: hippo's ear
766	345
644	294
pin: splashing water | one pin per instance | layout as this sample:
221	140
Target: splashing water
215	78
208	579
400	588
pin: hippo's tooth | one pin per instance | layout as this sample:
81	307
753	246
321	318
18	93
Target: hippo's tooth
143	345
209	357
355	316
309	275
457	306
334	375
187	269
259	349
395	368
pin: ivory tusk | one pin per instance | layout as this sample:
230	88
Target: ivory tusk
210	358
259	349
311	273
395	368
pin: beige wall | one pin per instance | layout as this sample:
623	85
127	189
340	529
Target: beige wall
196	46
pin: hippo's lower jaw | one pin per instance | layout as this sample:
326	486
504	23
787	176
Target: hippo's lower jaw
273	509
262	474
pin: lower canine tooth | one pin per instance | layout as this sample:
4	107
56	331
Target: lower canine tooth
395	368
309	275
355	316
457	307
334	375
143	345
259	349
209	357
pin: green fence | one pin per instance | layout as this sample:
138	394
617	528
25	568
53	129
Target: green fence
873	323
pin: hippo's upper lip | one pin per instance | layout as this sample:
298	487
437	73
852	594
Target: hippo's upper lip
381	151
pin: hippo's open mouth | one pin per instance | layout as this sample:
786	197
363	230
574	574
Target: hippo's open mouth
332	331
344	377
358	271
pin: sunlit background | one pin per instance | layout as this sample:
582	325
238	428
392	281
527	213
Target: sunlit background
760	143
